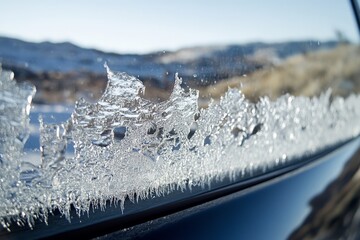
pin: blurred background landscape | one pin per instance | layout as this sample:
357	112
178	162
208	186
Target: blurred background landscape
64	72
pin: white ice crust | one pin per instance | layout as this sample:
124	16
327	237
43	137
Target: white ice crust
127	146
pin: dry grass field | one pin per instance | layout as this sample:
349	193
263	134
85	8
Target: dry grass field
307	74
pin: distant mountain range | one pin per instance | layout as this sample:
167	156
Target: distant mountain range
51	62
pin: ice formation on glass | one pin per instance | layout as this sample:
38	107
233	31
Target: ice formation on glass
127	146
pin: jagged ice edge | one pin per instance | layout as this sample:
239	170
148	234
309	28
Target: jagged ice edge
233	138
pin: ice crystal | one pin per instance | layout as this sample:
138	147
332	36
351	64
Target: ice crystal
127	146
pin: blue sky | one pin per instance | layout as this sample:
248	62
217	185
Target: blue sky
143	25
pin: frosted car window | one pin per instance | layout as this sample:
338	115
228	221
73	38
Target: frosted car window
146	124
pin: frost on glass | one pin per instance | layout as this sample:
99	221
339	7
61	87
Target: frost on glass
15	100
130	147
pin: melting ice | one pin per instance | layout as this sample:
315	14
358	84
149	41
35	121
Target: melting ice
127	146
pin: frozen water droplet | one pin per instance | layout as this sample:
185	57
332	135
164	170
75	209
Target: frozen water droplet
274	135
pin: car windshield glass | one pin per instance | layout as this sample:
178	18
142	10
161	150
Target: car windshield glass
112	101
